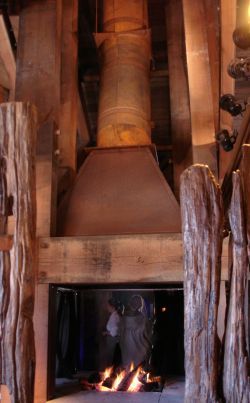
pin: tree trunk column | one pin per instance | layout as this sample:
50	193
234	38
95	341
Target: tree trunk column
17	266
202	221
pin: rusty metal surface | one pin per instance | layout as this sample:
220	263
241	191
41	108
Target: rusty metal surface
121	191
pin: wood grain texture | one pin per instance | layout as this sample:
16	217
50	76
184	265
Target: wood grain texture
113	259
17	153
179	95
236	384
200	83
69	84
202	223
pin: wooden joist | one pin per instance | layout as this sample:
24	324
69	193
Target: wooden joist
114	259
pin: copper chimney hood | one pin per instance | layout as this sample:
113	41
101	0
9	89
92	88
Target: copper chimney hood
120	188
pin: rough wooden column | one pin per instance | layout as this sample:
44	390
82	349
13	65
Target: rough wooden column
236	385
17	266
201	91
202	221
179	96
39	81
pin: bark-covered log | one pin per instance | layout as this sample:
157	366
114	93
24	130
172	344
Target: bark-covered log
202	224
236	386
17	266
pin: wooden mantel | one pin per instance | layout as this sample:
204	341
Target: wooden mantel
152	258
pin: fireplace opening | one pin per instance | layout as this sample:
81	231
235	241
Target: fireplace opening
78	318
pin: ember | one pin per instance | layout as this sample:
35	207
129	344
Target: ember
132	380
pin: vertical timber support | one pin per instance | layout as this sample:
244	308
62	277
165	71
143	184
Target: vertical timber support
179	95
200	83
202	221
236	384
17	265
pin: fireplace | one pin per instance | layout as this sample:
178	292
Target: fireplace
77	319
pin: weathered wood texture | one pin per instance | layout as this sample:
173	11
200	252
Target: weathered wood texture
202	223
179	96
236	384
245	169
113	259
200	83
69	85
17	146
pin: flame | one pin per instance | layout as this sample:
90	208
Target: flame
118	380
135	384
107	373
102	388
132	367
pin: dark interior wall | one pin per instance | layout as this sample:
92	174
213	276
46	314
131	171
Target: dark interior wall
82	316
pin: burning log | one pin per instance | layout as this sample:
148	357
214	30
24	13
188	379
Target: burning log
236	384
202	222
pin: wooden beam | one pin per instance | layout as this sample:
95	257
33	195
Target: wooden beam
202	220
228	24
82	122
236	384
7	56
179	96
39	58
17	145
69	84
39	81
114	259
200	84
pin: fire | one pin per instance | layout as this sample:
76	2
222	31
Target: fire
101	388
132	367
107	373
118	380
135	384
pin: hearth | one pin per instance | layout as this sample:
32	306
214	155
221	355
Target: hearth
77	319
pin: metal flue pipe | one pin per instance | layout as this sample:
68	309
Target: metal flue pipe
124	101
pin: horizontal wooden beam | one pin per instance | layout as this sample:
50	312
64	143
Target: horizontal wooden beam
153	258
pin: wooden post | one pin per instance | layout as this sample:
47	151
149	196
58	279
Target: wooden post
17	267
69	85
179	96
236	385
202	221
200	83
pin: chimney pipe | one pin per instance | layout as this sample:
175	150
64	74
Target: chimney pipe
124	100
